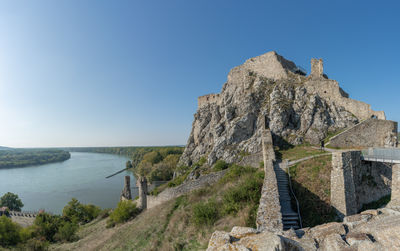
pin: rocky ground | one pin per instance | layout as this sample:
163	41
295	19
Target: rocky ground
369	230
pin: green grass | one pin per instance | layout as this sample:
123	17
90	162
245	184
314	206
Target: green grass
297	152
311	184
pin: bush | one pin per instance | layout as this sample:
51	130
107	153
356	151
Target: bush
27	233
66	232
248	192
9	232
236	172
220	165
76	212
124	211
36	244
11	201
205	213
46	225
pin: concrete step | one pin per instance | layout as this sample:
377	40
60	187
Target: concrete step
290	222
295	218
289	227
289	213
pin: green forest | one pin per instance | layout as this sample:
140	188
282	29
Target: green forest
134	153
27	157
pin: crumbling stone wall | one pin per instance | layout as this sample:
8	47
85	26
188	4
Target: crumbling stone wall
369	133
142	182
207	99
187	187
126	192
317	68
269	216
330	90
355	182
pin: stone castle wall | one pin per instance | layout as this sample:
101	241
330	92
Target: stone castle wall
269	216
343	196
331	91
355	182
207	99
369	133
317	68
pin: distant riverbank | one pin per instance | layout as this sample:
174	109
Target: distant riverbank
11	158
52	186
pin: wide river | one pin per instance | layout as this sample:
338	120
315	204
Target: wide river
51	186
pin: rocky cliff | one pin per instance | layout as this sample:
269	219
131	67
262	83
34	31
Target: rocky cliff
296	108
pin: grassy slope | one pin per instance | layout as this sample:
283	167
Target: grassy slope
311	183
172	225
297	152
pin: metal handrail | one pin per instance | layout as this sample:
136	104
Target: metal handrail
291	190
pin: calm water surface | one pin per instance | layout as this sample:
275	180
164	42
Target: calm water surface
51	186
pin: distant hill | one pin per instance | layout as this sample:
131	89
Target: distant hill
4	148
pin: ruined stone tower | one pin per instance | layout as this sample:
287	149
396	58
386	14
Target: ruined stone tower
317	68
126	193
142	183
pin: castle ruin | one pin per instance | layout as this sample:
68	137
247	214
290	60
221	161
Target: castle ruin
126	192
317	68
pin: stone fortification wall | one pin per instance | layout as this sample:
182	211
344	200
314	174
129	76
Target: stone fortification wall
186	187
395	197
372	181
207	99
369	133
317	68
355	182
331	91
269	216
269	65
343	196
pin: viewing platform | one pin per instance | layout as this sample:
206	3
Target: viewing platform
386	155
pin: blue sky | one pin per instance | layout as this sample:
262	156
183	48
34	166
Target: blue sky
115	73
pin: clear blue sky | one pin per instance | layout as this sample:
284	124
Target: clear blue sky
108	73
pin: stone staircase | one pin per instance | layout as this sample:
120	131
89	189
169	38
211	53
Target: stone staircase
290	218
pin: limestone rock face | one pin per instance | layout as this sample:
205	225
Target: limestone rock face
296	109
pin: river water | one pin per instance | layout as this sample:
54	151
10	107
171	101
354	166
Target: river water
51	186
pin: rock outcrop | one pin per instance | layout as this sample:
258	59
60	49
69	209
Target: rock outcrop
296	108
370	230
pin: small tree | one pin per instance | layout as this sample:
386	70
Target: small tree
11	201
129	164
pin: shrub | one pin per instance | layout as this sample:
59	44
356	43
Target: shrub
46	225
11	201
220	165
236	172
9	232
178	180
27	233
36	244
66	232
247	192
76	212
205	213
104	213
124	211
